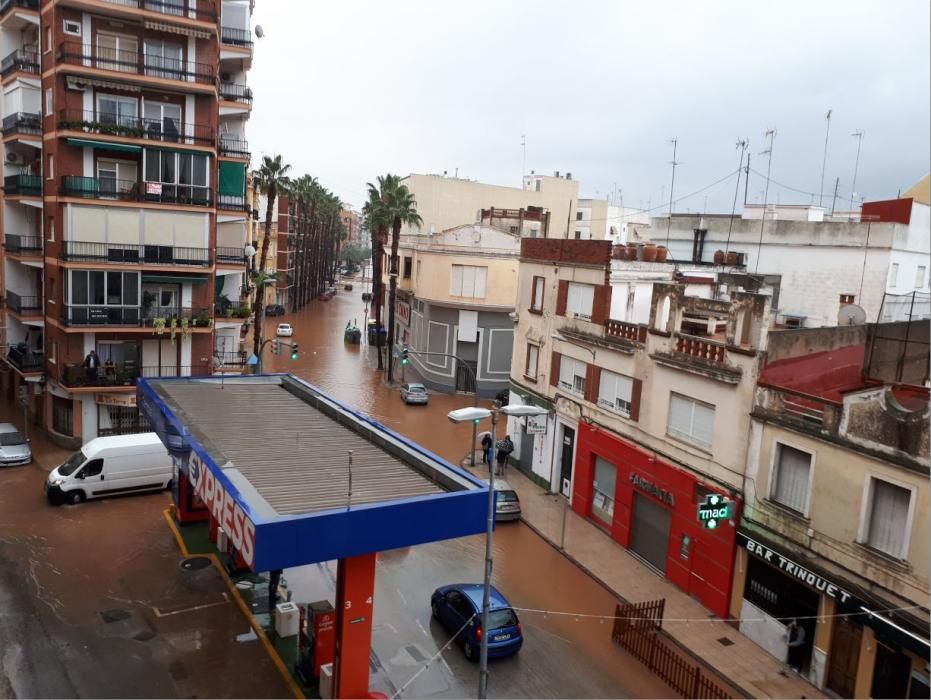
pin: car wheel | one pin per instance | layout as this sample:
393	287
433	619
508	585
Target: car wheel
435	610
76	497
468	650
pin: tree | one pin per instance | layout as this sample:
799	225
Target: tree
377	223
271	179
397	207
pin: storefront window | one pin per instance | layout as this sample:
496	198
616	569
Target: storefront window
62	415
604	489
121	420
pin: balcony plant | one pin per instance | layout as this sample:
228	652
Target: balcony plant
174	328
184	328
148	299
159	325
202	319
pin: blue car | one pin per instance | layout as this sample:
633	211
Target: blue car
459	603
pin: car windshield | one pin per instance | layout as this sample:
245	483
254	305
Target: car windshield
502	617
506	497
12	438
417	390
74	461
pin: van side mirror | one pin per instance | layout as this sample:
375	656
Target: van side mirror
80	476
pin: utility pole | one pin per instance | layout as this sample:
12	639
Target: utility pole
824	161
672	185
834	201
858	135
771	133
747	179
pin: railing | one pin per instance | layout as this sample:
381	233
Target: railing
233	147
198	370
800	407
495	213
708	350
17	244
25	358
177	8
23	185
10	4
20	60
230	359
232	201
160	318
140	254
135	127
233	310
135	62
236	37
22	123
628	331
236	92
131	190
23	305
229	254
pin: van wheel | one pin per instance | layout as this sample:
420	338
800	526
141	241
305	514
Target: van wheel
468	651
76	497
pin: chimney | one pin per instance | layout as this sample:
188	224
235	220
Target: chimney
568	176
555	173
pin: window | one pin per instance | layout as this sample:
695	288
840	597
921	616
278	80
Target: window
887	529
162	120
615	392
92	468
51	229
604	485
96	287
163	59
418	271
538	184
790	478
53	356
48	39
62	415
115	176
572	375
894	275
579	301
408	267
51	290
847	298
690	420
117	52
920	276
48	102
578	235
182	176
533	359
117	110
578	216
72	28
50	175
536	301
468	281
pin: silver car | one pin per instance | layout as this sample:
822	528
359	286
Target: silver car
507	502
14	448
414	393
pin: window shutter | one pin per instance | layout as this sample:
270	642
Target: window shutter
635	399
791	488
601	304
455	281
554	370
480	278
561	297
592	382
889	517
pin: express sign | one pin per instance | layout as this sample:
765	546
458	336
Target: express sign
223	508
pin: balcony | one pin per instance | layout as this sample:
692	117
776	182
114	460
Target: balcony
22	123
234	148
176	8
7	5
234	310
134	62
632	332
20	61
228	254
22	245
230	359
161	319
135	127
25	359
134	254
23	185
236	93
232	202
134	191
236	37
22	305
710	351
117	374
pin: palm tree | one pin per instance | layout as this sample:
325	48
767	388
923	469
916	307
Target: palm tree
377	223
399	207
271	179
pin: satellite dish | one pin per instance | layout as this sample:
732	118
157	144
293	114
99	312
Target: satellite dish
259	32
851	315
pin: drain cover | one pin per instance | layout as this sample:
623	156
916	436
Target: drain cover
194	563
724	641
114	615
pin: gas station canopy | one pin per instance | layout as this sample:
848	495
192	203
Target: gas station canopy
269	456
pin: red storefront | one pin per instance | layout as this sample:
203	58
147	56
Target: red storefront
651	508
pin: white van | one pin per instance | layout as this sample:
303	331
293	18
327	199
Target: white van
108	466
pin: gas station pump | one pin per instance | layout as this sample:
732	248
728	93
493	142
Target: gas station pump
316	643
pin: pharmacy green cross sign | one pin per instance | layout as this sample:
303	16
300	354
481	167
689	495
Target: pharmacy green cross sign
713	510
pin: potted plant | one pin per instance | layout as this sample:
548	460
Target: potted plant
159	325
662	252
649	252
184	327
719	257
148	299
174	329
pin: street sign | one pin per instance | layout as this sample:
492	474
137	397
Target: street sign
714	510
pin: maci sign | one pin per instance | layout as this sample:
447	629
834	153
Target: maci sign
713	510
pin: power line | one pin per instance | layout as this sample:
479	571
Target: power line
789	187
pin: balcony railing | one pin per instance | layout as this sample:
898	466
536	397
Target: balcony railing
707	350
136	254
25	358
232	201
229	254
6	5
135	127
159	318
22	245
23	305
133	191
125	374
234	147
236	93
29	185
198	370
20	60
236	37
628	331
178	8
22	123
135	62
233	310
230	359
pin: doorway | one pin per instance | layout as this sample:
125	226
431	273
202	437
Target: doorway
650	536
526	451
568	452
891	673
465	370
845	657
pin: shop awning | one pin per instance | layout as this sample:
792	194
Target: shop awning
168	279
171	29
87	143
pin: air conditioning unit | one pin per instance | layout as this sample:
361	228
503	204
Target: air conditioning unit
15	158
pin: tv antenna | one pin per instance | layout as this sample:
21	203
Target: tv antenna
858	135
675	144
824	161
771	134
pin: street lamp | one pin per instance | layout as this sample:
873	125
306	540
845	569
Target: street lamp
248	253
474	414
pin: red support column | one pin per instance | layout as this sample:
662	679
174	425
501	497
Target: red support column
355	586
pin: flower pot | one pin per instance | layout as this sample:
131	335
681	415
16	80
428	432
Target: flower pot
661	253
719	257
730	258
619	252
631	251
649	252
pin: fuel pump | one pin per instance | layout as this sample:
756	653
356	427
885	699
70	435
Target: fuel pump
316	640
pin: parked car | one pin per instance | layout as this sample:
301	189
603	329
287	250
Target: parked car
414	393
274	310
460	604
507	502
285	329
14	448
114	465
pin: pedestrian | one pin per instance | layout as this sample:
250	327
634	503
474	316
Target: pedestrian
274	578
91	363
795	636
505	448
486	448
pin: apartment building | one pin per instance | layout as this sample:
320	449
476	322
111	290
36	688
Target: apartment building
351	219
597	219
835	521
124	210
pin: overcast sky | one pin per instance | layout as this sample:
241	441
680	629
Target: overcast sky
350	90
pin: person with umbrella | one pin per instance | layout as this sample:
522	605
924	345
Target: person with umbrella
505	448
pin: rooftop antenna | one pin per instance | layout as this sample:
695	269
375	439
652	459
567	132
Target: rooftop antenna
771	133
824	161
675	145
523	145
742	147
858	135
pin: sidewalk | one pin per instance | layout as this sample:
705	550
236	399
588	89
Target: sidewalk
744	664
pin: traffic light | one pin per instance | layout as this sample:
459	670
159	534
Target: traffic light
276	347
405	360
294	353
